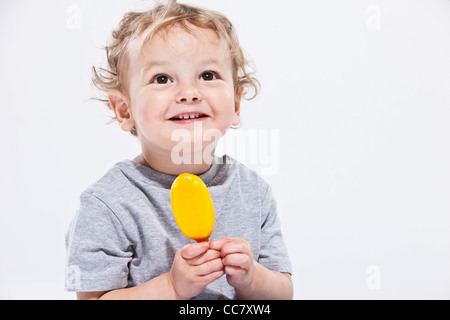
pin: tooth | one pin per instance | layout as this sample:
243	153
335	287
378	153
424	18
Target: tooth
192	116
180	117
186	116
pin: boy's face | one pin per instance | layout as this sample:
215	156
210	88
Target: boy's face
179	81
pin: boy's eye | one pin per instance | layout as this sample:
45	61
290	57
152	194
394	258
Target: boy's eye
161	79
208	76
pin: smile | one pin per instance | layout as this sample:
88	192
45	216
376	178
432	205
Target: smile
186	116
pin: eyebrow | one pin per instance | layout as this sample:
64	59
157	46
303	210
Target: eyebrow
222	64
157	63
212	61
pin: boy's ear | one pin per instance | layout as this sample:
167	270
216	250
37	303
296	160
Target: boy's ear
121	107
237	107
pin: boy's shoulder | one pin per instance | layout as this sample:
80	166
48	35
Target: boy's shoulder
236	169
116	179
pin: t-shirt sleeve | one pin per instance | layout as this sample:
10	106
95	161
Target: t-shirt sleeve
98	251
273	254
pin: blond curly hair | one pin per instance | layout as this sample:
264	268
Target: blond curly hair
142	26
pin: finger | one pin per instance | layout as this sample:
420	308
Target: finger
213	276
234	275
238	260
233	271
193	250
240	246
209	267
207	256
218	243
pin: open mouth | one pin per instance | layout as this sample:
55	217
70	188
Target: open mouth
188	116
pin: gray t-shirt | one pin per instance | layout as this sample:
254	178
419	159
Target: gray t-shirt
124	233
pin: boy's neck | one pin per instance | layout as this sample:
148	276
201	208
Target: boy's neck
167	166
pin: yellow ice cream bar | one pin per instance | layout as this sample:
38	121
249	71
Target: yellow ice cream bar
192	207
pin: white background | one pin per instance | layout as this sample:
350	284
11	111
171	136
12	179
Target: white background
358	92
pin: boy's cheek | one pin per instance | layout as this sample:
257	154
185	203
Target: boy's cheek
144	114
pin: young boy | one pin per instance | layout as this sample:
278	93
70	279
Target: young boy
176	71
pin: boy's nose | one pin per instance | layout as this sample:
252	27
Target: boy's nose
188	95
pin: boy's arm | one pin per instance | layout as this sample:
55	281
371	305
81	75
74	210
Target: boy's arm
154	289
193	268
267	285
250	279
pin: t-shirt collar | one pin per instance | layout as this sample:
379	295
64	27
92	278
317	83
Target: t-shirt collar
166	180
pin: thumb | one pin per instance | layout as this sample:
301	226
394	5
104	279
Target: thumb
193	250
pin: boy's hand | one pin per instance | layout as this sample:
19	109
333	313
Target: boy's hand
194	267
237	258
